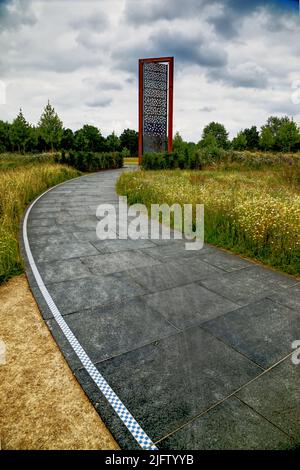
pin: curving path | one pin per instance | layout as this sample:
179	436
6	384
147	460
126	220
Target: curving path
176	349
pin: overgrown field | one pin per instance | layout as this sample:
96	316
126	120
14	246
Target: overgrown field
16	160
254	212
19	186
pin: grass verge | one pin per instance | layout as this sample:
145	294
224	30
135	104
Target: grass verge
253	213
42	406
18	187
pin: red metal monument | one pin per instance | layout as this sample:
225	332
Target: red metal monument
156	76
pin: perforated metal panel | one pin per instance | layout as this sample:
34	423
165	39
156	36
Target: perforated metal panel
155	107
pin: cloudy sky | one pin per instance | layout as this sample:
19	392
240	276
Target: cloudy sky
236	61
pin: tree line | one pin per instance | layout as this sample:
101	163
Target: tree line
279	134
51	135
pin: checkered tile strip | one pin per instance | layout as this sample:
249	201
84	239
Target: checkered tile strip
132	425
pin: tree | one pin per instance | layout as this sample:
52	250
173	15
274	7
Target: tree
288	136
279	133
67	140
178	143
129	139
51	127
252	138
239	142
5	145
218	132
19	133
112	142
90	139
266	140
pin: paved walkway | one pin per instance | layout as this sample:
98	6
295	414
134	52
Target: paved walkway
197	345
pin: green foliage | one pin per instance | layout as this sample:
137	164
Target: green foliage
17	160
92	161
288	136
125	152
194	158
239	142
67	140
5	143
214	135
18	187
19	133
252	138
129	139
254	213
50	127
113	143
280	134
89	139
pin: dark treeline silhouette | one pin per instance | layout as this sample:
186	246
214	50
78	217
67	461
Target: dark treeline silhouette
50	135
279	134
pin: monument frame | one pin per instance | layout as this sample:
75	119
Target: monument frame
170	62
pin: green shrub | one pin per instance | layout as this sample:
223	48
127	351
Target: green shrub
195	158
92	161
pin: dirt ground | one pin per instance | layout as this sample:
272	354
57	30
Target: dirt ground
41	404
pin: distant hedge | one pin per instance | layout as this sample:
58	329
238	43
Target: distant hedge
189	158
197	158
91	161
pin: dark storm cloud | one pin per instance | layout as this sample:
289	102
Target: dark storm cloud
146	11
188	50
226	19
21	14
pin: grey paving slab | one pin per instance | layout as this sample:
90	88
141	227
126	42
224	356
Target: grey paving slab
249	284
115	329
174	251
41	222
189	305
223	260
45	239
109	417
276	396
88	236
117	245
290	298
117	262
59	251
167	275
71	296
176	378
230	425
263	331
35	231
63	270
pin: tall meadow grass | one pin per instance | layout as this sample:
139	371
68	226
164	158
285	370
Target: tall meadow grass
254	213
18	187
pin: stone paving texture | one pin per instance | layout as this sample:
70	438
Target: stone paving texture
197	344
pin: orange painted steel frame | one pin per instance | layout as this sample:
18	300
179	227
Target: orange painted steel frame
170	61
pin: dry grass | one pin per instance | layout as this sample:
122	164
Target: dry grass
41	404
